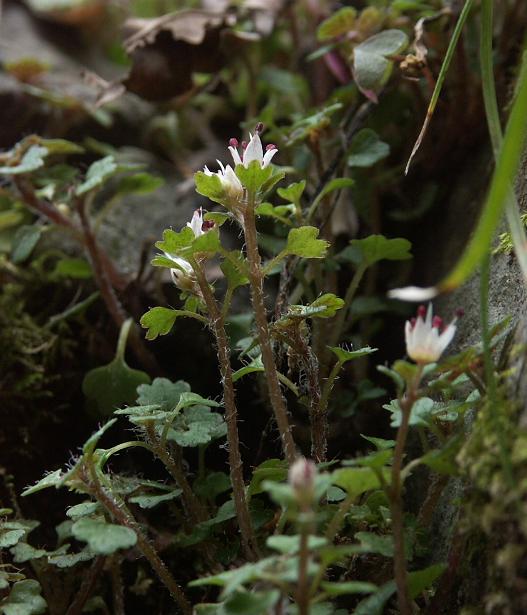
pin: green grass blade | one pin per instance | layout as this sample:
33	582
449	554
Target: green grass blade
440	79
506	167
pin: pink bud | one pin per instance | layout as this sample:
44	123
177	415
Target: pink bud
270	147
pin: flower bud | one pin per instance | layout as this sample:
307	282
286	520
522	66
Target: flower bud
302	475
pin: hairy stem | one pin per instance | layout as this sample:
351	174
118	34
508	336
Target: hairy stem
217	325
256	277
117	586
192	504
302	593
396	501
119	511
87	586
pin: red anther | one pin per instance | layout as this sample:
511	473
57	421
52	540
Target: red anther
421	311
460	312
259	128
270	147
233	142
207	225
437	322
412	322
244	144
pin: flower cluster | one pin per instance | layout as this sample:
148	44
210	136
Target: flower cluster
426	336
250	152
182	273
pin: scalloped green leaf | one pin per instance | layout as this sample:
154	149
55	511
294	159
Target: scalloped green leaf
303	242
103	538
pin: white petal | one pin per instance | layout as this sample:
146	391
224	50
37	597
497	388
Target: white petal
235	155
196	223
413	293
221	166
254	151
447	336
268	156
231	182
207	171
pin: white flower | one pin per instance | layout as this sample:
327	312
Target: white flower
229	180
426	338
183	274
252	151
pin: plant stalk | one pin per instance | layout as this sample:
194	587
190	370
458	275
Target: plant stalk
396	500
256	277
192	504
119	511
217	325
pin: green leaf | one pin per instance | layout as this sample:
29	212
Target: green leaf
278	212
377	247
103	538
380	443
303	242
188	398
251	603
420	580
175	242
293	192
159	321
197	425
92	441
338	24
371	66
150	501
253	177
140	183
325	306
24	240
344	355
270	470
32	160
67	560
84	509
374	604
289	545
234	274
209	186
10	533
24	599
99	172
111	386
348	587
61	146
356	481
421	414
373	543
76	268
53	479
162	392
366	149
